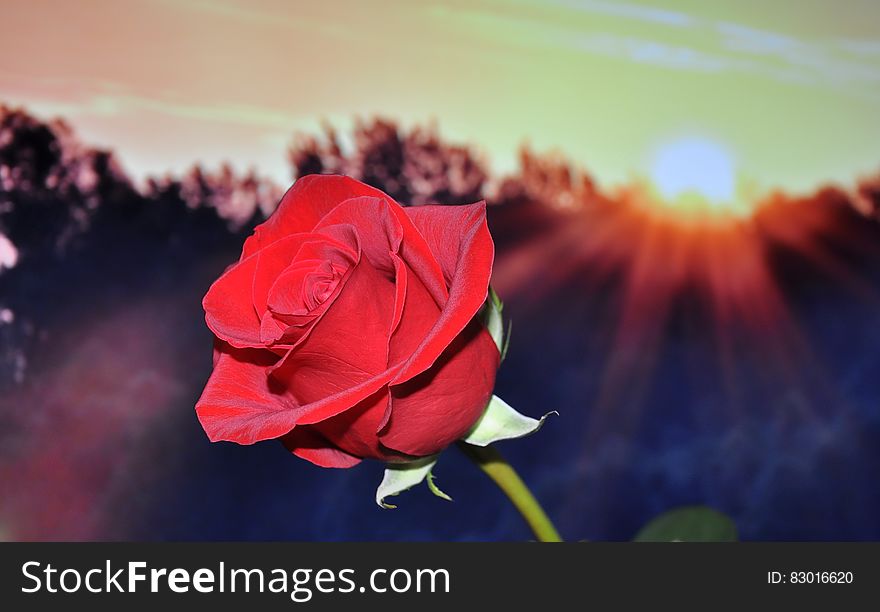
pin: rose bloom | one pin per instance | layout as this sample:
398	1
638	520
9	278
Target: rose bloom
349	327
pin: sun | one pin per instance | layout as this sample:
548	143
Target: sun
694	168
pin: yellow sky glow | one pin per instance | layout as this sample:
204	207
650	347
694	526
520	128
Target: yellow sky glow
790	89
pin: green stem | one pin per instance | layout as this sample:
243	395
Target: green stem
495	467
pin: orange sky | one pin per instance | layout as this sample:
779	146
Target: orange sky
789	89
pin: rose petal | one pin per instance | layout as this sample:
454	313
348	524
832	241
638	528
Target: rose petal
341	401
303	206
385	226
271	262
437	407
271	329
309	444
418	317
239	402
355	429
377	226
229	311
287	331
401	282
459	238
451	232
418	314
347	347
229	306
293	290
339	244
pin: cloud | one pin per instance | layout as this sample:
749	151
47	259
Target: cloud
113	99
226	113
646	51
283	17
861	47
630	11
681	41
822	61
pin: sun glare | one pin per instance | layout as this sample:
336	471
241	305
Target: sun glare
690	168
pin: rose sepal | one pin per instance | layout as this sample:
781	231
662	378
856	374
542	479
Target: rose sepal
501	422
401	476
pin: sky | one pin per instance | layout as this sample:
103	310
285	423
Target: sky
788	90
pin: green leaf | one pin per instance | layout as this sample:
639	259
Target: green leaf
501	422
402	476
689	524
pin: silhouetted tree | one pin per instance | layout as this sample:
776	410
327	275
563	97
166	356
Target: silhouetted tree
73	228
414	167
548	179
50	184
869	195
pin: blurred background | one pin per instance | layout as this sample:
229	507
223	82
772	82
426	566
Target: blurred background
685	199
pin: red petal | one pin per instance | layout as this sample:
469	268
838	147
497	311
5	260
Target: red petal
418	316
347	348
229	306
401	282
287	331
341	401
304	205
459	238
307	443
432	410
240	403
384	227
229	311
271	262
355	429
377	227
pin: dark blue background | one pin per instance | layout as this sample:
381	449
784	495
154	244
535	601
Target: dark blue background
121	454
791	459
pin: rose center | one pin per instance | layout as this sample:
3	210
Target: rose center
319	284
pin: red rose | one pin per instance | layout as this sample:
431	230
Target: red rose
348	327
